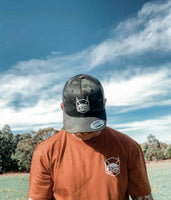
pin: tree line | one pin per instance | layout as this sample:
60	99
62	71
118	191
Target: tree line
16	149
153	149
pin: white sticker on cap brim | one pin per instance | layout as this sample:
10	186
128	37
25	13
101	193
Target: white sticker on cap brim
97	124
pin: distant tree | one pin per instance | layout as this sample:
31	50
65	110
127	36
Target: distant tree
43	134
163	147
6	150
23	152
26	146
152	140
167	152
155	150
15	141
1	166
144	148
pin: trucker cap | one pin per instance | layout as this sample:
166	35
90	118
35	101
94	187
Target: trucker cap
84	107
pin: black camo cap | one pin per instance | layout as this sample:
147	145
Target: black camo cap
84	108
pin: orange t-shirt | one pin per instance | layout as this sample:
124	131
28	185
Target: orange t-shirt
108	167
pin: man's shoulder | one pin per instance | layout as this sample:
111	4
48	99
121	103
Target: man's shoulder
115	133
119	137
123	142
52	141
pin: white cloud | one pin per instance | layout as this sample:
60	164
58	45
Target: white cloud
141	90
25	88
42	114
152	8
31	88
59	64
150	31
140	130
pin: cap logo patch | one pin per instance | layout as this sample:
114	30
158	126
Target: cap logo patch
97	124
82	105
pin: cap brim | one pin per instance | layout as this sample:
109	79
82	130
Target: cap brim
83	124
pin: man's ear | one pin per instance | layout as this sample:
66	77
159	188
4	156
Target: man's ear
62	106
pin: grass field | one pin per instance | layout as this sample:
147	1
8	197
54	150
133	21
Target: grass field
160	179
15	186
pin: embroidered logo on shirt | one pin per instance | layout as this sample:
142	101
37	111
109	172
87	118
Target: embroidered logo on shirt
82	105
112	166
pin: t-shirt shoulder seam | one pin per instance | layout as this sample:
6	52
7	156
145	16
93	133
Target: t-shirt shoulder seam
50	141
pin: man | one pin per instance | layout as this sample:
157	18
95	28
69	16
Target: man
87	160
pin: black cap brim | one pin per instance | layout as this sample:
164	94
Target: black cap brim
83	124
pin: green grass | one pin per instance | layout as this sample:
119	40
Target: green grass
15	186
160	179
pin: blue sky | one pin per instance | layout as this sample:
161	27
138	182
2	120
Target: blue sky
125	44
